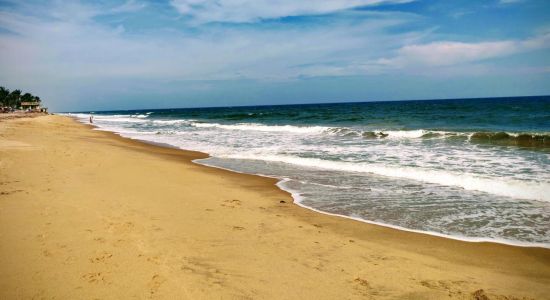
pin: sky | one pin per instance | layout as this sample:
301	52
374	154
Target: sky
137	54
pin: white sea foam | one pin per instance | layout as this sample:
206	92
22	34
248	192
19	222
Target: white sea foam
502	187
410	134
170	122
391	134
109	118
77	115
298	199
261	127
120	120
141	116
344	131
308	129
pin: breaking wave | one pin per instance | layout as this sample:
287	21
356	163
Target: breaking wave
534	140
502	187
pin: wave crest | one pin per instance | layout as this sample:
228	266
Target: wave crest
502	187
507	139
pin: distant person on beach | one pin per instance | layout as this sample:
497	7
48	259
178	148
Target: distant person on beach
91	119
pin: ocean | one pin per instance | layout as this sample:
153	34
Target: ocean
468	169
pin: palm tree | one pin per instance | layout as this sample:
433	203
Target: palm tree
27	97
4	92
14	99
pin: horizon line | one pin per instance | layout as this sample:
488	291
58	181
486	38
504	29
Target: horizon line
313	103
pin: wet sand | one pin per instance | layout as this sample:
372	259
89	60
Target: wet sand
86	214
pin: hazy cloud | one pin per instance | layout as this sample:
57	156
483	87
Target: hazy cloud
510	1
446	53
205	11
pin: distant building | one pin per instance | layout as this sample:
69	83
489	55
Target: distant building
30	105
34	106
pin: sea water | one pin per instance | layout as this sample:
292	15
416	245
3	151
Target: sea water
471	169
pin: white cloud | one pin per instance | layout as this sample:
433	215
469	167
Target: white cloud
204	11
69	47
446	53
510	1
128	7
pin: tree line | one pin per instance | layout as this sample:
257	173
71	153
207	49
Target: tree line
14	98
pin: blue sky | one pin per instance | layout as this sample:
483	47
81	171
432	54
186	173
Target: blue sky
129	54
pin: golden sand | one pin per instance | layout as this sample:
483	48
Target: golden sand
86	214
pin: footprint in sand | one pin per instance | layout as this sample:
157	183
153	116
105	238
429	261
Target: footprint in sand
362	282
480	295
452	287
234	203
363	287
100	240
10	192
94	277
156	228
155	283
120	227
209	272
155	259
101	258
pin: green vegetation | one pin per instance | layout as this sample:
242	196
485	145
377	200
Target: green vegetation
13	99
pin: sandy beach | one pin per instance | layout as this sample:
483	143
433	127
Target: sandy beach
86	214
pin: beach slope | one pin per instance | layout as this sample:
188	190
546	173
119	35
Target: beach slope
86	214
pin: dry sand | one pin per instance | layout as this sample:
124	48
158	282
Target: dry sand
86	214
20	114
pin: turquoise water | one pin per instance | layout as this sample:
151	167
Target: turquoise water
472	169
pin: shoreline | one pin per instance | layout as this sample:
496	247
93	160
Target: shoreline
87	213
296	200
